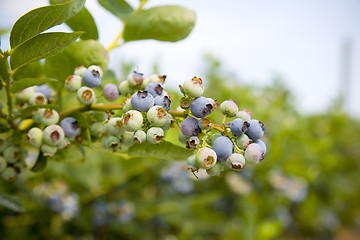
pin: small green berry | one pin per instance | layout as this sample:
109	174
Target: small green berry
35	137
235	161
155	135
79	70
24	95
86	95
157	116
48	150
124	88
243	141
128	139
229	108
215	170
3	163
73	83
205	158
135	79
191	164
47	116
139	136
8	174
37	98
132	120
115	126
12	154
53	135
194	87
112	143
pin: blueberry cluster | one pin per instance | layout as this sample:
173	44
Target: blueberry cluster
237	143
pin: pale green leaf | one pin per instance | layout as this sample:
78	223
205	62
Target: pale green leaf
119	8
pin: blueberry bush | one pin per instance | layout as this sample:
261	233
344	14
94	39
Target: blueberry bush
86	154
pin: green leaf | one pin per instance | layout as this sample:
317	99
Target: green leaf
28	82
40	163
11	202
4	69
30	70
119	8
41	19
82	21
165	150
85	52
4	128
41	46
165	23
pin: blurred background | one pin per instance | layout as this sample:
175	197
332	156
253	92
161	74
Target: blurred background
292	64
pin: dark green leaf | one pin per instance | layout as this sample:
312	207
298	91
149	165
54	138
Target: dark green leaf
41	19
30	70
4	128
28	112
41	46
165	23
165	150
40	163
83	21
119	8
86	52
11	202
28	82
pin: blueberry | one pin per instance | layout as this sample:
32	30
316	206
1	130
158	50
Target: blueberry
142	101
191	164
111	143
70	126
223	147
8	174
111	92
201	107
79	70
44	89
139	136
156	115
115	126
53	135
170	121
255	130
164	102
253	154
24	95
35	137
243	141
3	163
91	78
157	78
205	158
155	135
12	154
31	157
127	139
37	98
96	129
47	116
194	87
86	95
73	83
190	127
236	161
238	126
127	106
204	123
124	88
212	138
132	120
215	170
182	138
193	142
243	114
229	108
97	69
155	89
263	147
63	144
135	79
48	150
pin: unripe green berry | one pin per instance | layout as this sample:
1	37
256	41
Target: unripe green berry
47	116
205	158
3	163
127	139
48	150
191	164
132	120
212	138
79	70
229	108
243	141
170	122
139	136
64	143
35	137
96	129
53	135
24	95
86	95
244	115
3	145
144	83
235	161
157	116
8	174
112	143
37	98
12	154
157	78
115	126
215	170
31	156
194	87
127	106
182	138
73	83
124	88
155	135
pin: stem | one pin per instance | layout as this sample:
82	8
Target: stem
115	43
175	113
91	107
6	78
217	127
142	3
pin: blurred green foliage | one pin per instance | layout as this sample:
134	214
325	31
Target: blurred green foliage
307	187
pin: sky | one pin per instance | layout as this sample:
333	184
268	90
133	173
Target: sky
301	40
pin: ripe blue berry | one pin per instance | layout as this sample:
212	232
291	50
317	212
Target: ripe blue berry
157	116
155	135
253	154
115	126
70	126
86	96
201	107
142	101
91	78
194	87
229	108
135	79
111	92
97	69
189	127
205	158
53	135
155	89
35	137
132	120
139	136
245	115
236	161
223	147
193	142
255	129
238	126
164	102
73	83
44	89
